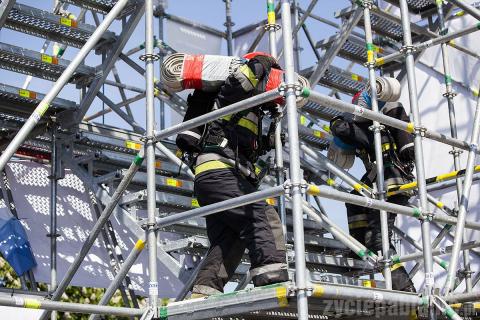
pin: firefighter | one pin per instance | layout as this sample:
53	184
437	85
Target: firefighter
224	160
352	132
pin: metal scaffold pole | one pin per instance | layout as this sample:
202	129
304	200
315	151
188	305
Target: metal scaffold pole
462	211
295	172
53	212
419	160
272	28
229	24
150	160
377	128
449	95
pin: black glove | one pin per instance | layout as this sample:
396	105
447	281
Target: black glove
261	65
268	141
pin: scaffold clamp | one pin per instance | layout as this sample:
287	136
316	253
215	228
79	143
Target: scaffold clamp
272	26
149	57
450	95
283	88
407	49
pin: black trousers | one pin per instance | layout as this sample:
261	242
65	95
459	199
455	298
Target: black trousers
255	227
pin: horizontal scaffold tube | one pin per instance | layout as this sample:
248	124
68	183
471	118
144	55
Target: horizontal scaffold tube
214	115
221	206
430	43
345	292
377	116
29	303
463	297
435	252
330	193
440	178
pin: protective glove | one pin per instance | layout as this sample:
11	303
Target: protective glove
261	65
340	153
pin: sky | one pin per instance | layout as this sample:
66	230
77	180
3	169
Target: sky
207	12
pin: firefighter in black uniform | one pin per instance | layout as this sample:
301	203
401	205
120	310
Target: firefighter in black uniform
225	153
398	157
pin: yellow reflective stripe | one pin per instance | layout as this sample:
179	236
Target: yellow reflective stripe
140	245
195	203
313	190
211	165
410	127
271	17
244	122
318	291
282	297
249	74
387	146
369	284
330	182
270	201
380	61
446	176
358	224
440	204
358	187
32	303
247	124
396	266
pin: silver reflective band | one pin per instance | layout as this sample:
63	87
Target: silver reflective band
409	145
268	268
192	134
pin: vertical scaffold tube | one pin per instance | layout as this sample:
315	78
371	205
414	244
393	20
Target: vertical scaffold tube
229	24
272	34
462	211
53	213
150	157
419	161
449	95
295	173
378	144
44	105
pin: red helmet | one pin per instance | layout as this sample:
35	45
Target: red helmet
252	55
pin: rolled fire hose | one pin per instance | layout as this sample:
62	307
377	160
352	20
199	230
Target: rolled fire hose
182	71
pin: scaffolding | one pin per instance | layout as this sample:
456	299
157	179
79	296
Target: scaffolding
26	115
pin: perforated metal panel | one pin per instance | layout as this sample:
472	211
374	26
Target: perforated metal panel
102	6
24	98
43	24
380	25
417	6
353	49
39	65
338	79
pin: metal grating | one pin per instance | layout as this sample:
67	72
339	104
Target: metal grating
313	137
417	6
338	79
103	6
24	101
380	25
324	113
353	49
46	25
40	65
